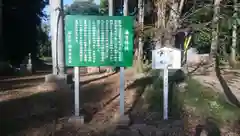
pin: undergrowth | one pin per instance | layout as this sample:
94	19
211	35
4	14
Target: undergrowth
203	101
208	103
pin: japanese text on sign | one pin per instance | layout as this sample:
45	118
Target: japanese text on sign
166	56
99	40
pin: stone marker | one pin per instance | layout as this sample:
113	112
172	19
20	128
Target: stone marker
29	64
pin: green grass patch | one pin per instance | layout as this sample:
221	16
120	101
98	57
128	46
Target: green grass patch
154	96
207	103
46	58
203	102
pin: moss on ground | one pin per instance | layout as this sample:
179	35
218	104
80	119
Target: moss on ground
203	101
208	103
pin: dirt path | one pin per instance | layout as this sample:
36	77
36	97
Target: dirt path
100	101
18	87
227	83
104	113
32	107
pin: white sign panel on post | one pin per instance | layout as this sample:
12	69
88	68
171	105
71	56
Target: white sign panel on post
170	55
166	58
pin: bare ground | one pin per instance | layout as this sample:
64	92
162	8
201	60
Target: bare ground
225	81
31	109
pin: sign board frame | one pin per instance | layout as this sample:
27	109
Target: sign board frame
172	56
99	40
76	38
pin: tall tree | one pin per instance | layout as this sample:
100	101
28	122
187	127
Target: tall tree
43	40
141	26
215	28
20	21
103	7
234	31
168	15
82	8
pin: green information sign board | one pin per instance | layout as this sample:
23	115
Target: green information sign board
99	40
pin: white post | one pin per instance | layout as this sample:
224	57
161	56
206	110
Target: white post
122	80
110	8
76	119
76	91
122	91
125	8
165	92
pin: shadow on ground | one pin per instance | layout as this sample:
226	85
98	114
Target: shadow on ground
152	86
150	90
6	85
95	79
110	93
43	108
210	128
40	69
139	85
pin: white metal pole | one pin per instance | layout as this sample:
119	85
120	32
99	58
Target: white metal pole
110	8
76	91
165	92
122	79
122	90
125	8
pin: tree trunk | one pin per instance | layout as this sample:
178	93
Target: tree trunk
161	21
234	33
161	11
141	23
215	30
170	26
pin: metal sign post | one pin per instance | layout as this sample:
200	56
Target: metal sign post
77	118
99	41
165	92
166	58
122	80
122	90
76	91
